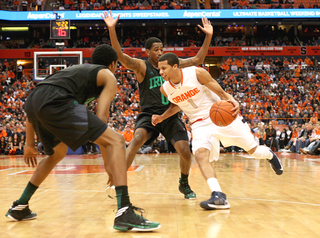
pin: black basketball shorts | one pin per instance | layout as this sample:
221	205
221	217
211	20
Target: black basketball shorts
168	128
57	117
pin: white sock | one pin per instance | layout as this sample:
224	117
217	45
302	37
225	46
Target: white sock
262	152
214	184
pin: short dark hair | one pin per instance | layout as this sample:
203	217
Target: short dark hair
150	41
104	55
171	58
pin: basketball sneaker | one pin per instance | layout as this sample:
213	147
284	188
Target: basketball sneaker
275	164
20	212
217	201
127	220
184	188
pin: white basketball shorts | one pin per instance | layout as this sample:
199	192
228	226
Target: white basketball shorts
208	135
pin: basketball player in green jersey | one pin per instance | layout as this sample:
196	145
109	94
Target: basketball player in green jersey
56	112
153	102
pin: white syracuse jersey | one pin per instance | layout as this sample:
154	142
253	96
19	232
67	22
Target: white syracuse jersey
194	99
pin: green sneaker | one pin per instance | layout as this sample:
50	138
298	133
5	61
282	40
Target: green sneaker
127	220
186	190
20	212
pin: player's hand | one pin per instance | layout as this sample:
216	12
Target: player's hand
207	27
30	156
236	107
110	179
108	19
156	119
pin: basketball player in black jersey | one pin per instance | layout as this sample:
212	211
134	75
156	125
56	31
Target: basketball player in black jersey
56	111
152	101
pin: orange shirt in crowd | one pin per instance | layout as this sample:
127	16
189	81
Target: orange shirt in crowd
128	135
164	7
263	136
225	67
314	120
297	71
3	77
11	75
295	134
3	133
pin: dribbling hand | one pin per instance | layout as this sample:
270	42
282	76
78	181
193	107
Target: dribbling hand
108	19
236	107
30	156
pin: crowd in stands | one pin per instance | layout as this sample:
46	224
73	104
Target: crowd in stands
273	4
223	39
37	5
282	93
21	5
14	88
121	5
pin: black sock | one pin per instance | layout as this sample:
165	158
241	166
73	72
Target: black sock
27	193
184	177
122	196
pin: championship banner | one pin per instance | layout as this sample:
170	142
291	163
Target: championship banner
186	51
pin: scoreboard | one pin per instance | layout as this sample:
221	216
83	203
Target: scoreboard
60	29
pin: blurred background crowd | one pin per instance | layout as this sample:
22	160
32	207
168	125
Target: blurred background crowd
279	99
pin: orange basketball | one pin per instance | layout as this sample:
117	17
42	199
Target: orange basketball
221	114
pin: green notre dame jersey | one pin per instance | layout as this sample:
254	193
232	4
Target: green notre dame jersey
151	99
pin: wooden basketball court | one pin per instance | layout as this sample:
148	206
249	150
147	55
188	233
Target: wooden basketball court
72	202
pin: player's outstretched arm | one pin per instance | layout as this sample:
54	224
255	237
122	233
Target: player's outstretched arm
201	55
172	110
205	78
137	65
30	153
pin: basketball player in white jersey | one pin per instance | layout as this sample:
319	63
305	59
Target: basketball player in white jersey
193	91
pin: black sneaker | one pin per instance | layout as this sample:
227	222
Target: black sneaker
275	164
217	201
184	188
127	220
20	212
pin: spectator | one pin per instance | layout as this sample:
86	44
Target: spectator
39	5
313	145
20	70
3	146
128	135
261	134
271	138
33	5
215	4
303	140
24	4
283	138
314	118
22	144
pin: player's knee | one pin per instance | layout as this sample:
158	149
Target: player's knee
137	138
60	152
185	152
119	140
202	155
182	146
